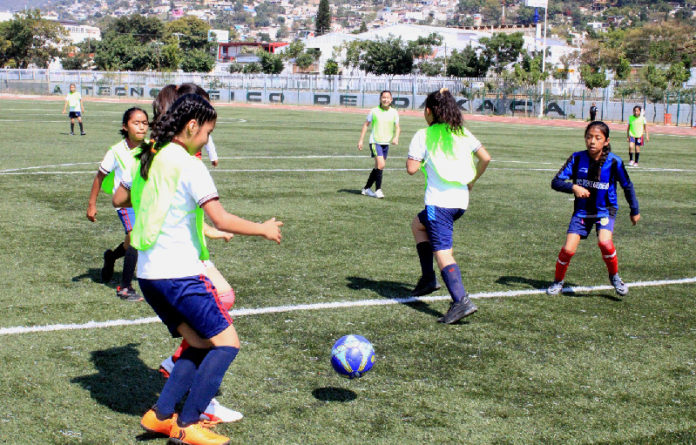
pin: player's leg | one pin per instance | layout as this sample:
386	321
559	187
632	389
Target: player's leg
79	121
638	144
380	163
577	230
72	124
428	281
605	229
631	149
126	291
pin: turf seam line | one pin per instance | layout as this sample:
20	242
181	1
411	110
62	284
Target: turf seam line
334	305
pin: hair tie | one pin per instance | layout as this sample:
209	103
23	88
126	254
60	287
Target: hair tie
443	90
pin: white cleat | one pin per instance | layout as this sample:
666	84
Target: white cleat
379	194
368	192
216	413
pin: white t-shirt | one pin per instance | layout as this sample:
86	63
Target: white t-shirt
111	163
438	192
393	113
176	251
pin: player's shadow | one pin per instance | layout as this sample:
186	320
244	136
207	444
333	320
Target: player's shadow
350	191
123	382
94	274
391	290
333	394
541	284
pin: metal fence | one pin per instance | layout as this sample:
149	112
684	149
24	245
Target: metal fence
562	100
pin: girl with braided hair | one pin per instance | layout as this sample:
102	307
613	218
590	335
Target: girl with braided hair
170	191
591	175
445	152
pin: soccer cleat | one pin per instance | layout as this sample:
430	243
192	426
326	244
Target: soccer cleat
425	287
83	134
630	163
368	192
128	294
107	271
166	367
152	424
619	285
72	133
216	413
379	194
195	434
635	164
458	310
555	288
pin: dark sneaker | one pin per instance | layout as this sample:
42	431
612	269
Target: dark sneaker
555	288
83	134
128	294
425	287
619	286
107	271
458	310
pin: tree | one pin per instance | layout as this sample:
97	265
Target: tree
363	27
432	68
323	20
236	67
251	68
144	29
467	63
331	68
190	33
502	49
197	60
29	39
304	60
653	85
270	63
593	78
391	56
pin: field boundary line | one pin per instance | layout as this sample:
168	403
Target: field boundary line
334	305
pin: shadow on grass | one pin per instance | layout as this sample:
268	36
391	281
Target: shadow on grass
660	438
511	279
332	394
592	295
350	191
392	290
94	274
123	382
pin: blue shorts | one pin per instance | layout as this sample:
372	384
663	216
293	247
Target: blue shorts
439	224
637	141
379	150
190	300
127	216
583	226
74	114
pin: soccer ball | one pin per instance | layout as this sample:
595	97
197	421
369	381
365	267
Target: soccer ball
352	356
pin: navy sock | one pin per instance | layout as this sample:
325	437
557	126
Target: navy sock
129	262
453	280
371	178
206	382
119	251
180	380
72	128
425	255
630	156
81	129
637	156
378	180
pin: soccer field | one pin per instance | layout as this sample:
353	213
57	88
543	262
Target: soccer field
586	367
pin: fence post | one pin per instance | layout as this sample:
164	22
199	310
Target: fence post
678	107
582	108
622	107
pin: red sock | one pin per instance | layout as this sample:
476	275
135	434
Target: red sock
182	347
609	256
562	264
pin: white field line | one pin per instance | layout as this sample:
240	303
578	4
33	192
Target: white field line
335	305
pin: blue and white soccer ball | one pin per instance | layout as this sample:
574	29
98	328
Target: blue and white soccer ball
352	356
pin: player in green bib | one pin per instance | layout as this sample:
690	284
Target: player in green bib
637	134
385	130
74	101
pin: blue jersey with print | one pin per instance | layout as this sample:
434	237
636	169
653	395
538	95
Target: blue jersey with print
600	180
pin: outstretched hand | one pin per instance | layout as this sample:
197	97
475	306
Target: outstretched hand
271	230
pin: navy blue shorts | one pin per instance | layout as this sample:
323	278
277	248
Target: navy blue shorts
583	226
637	141
439	224
127	216
190	300
379	150
74	114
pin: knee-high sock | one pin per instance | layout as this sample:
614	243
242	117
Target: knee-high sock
371	178
81	128
453	280
129	262
378	180
609	256
630	155
425	255
180	350
206	382
180	380
562	264
637	156
119	251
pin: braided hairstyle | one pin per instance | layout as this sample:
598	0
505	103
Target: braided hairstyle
126	117
445	109
182	111
165	98
604	128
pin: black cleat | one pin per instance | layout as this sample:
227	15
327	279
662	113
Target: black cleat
128	294
107	271
83	134
425	287
458	310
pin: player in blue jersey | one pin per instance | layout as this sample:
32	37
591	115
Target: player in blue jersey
591	175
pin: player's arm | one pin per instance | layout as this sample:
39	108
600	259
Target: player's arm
629	191
213	233
65	106
645	130
82	107
362	134
483	160
560	182
227	222
412	166
92	203
397	132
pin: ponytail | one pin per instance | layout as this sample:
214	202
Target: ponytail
186	108
445	110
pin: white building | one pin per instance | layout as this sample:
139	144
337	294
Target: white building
78	33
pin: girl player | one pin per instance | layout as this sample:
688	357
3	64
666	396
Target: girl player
74	101
445	152
636	134
118	159
385	130
171	190
591	175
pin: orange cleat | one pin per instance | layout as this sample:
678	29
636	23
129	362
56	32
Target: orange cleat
152	424
195	434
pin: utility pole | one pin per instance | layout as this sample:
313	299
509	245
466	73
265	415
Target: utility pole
541	4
